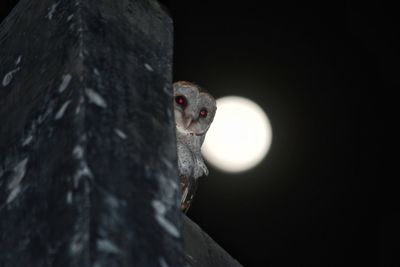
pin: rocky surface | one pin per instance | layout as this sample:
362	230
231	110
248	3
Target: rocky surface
87	141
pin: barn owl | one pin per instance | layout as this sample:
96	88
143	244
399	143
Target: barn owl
194	111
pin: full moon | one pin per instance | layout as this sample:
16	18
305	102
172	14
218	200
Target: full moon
239	137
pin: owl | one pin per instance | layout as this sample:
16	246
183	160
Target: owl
194	112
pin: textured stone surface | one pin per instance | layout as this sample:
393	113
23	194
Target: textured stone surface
87	143
201	250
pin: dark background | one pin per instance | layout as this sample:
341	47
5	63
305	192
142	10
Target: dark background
321	73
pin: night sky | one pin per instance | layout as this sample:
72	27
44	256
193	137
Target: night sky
320	72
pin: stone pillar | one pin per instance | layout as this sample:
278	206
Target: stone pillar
87	144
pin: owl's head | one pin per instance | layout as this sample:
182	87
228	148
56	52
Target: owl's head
194	108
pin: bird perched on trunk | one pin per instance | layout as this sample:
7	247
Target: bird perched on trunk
194	111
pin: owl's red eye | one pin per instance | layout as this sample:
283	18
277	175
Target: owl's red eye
181	100
203	113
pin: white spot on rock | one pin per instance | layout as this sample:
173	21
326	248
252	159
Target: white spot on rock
95	98
18	60
42	117
168	90
78	242
78	107
169	190
66	79
160	211
120	133
112	201
27	140
18	174
9	76
13	194
81	172
76	247
78	152
70	17
163	262
190	257
148	67
105	245
84	170
159	207
69	197
167	163
61	111
52	9
96	72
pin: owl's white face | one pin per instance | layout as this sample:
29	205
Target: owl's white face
194	108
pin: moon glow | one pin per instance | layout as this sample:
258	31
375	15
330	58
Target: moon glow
239	137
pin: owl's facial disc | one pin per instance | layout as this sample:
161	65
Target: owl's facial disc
194	109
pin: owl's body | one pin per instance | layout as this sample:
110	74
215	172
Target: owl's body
194	112
190	160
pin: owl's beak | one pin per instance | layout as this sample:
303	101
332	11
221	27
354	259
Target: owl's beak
188	121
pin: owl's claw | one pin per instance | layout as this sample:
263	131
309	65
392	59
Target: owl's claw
188	187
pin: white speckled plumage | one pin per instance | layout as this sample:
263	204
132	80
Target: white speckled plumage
194	112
